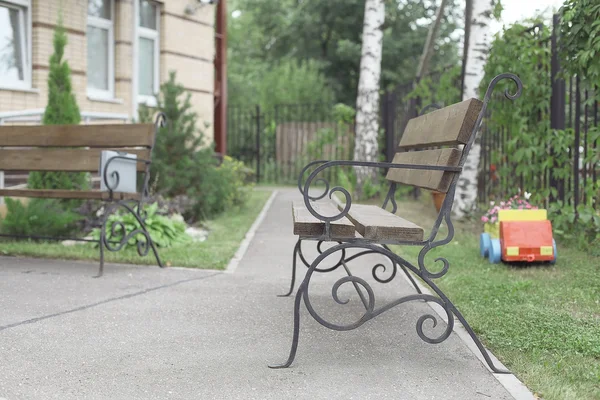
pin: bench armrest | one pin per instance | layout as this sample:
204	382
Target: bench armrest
348	197
115	174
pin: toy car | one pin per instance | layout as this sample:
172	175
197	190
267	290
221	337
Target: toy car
524	236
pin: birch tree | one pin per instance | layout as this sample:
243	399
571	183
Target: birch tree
367	102
479	41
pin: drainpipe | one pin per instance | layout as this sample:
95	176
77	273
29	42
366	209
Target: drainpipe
220	81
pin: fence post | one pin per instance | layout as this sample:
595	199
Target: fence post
388	125
257	143
557	105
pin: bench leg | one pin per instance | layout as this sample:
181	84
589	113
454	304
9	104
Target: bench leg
369	301
295	258
118	237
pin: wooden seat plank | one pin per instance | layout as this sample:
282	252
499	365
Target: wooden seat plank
68	194
375	223
450	125
74	160
427	179
115	135
307	225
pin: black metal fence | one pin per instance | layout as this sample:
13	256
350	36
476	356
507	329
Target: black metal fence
572	108
276	143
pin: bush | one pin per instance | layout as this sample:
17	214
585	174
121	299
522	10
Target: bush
165	231
39	217
221	189
184	165
62	108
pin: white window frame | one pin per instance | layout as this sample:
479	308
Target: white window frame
96	22
24	7
151	34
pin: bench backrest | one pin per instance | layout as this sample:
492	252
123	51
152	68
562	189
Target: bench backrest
74	148
444	130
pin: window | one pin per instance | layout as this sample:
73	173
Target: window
100	49
148	51
15	57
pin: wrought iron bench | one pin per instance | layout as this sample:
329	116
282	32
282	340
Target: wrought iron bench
77	148
439	143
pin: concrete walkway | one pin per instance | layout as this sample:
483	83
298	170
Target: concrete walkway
146	333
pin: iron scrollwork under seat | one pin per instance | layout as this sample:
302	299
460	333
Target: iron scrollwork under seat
457	126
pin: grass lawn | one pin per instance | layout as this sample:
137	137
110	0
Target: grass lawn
541	321
226	233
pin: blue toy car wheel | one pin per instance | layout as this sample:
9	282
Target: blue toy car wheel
555	252
495	251
484	244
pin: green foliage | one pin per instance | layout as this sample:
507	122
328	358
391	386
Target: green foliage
533	148
184	165
62	108
580	38
443	92
179	154
266	33
287	82
38	217
220	189
165	231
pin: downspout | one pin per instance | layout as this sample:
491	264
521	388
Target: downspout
220	81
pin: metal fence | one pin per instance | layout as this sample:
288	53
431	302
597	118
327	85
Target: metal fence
573	107
276	143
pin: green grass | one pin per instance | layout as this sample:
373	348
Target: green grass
226	233
541	321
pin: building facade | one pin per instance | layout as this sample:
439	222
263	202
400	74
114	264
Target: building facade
119	52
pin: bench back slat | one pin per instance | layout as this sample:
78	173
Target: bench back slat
450	125
433	180
103	136
74	160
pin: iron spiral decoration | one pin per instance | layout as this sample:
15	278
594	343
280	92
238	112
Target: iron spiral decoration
369	303
118	236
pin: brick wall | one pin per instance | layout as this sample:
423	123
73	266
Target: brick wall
186	46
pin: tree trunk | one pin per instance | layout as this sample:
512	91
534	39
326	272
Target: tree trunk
477	51
423	67
367	102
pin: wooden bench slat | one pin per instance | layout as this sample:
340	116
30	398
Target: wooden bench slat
115	135
450	125
306	225
434	180
74	160
375	223
68	194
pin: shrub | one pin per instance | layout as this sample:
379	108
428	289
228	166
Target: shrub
184	165
221	188
165	231
39	217
62	108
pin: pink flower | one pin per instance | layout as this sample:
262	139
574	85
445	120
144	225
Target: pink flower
534	208
502	203
520	207
493	219
528	206
485	219
520	202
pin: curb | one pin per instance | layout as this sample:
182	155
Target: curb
510	382
233	263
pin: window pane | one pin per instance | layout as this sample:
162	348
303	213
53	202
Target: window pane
12	44
97	58
146	67
148	12
99	8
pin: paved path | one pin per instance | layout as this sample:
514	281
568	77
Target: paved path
146	333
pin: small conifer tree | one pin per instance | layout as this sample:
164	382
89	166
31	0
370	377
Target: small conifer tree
179	154
62	109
